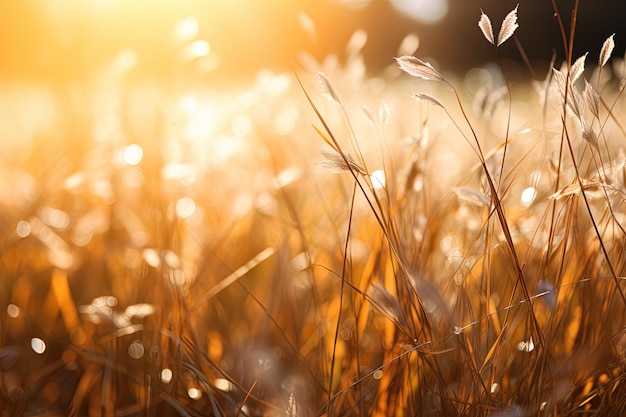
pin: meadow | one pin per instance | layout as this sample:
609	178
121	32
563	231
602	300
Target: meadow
319	242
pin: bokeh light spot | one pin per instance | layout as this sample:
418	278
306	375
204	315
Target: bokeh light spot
23	228
528	196
200	48
136	350
196	49
223	384
186	29
38	345
185	207
166	375
55	218
378	179
424	11
133	154
194	393
13	311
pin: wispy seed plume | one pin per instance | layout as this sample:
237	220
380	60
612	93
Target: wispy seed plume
328	90
485	26
418	68
334	162
607	49
424	98
578	67
592	99
509	25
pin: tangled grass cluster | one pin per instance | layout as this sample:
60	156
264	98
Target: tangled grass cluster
455	248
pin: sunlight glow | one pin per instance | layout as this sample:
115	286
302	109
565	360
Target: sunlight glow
226	146
186	29
185	173
241	125
285	121
424	11
124	61
201	118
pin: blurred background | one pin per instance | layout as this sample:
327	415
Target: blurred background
65	40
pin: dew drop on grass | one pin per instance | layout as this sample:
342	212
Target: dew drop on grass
378	374
38	345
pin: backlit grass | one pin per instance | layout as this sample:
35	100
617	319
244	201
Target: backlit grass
321	242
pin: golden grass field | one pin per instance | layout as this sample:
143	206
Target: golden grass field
457	248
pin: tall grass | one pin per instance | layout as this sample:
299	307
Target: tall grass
325	244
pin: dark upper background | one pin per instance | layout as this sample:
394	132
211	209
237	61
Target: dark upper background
63	40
